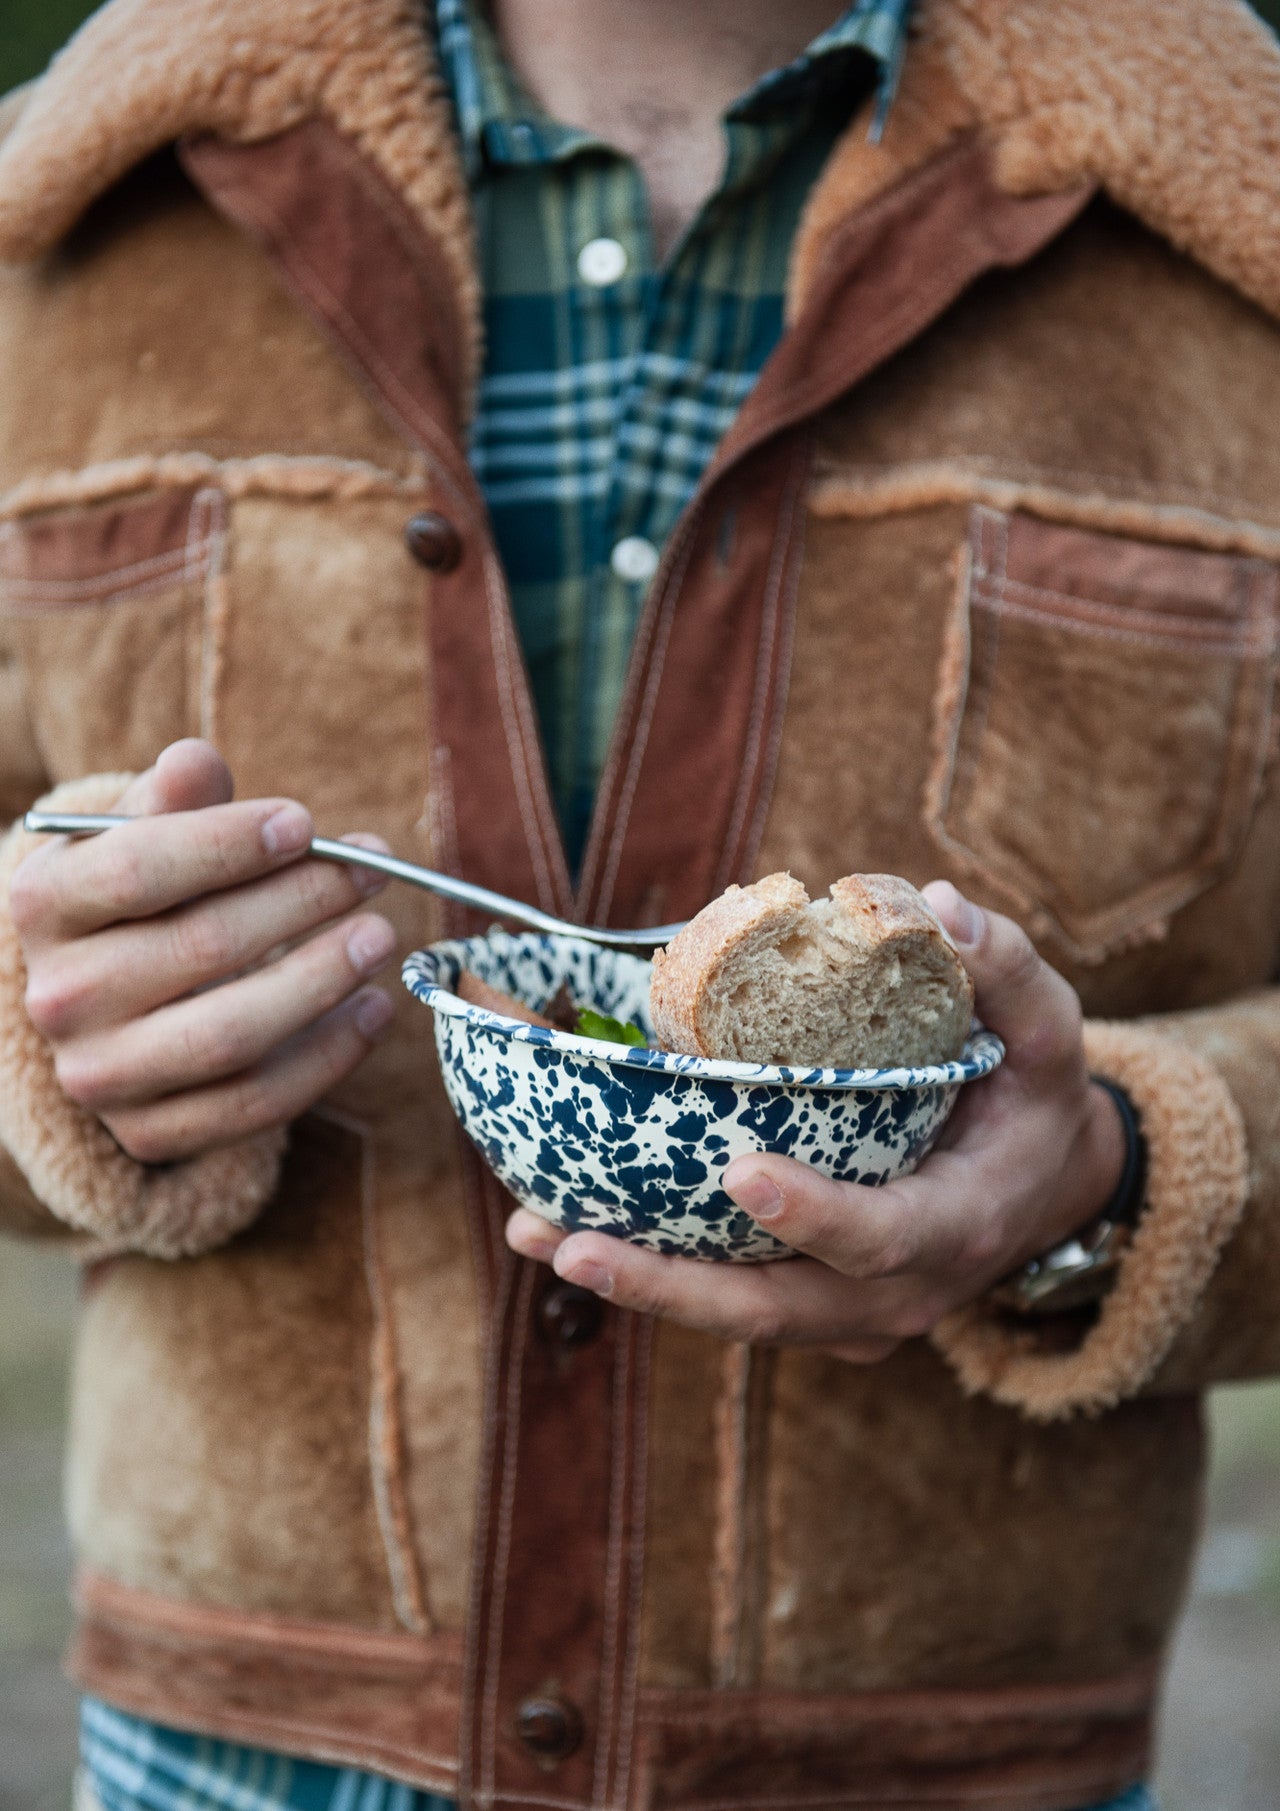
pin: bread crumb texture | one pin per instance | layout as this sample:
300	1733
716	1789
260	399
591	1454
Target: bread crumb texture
865	979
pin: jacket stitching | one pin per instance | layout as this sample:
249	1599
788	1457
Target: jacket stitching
142	575
730	1512
834	468
773	750
1098	627
132	1613
416	424
642	647
649	705
985	521
644	1334
506	1280
311	477
502	1550
609	1656
439	814
513	732
386	1454
209	512
1105	623
420	426
386	206
765	697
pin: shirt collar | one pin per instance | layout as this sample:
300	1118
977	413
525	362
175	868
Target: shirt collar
499	122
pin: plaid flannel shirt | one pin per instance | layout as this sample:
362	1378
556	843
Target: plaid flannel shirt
609	376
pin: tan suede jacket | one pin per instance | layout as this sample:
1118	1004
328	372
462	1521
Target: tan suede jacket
983	583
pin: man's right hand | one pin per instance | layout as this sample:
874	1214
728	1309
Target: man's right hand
153	966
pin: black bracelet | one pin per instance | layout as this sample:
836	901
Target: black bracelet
1126	1203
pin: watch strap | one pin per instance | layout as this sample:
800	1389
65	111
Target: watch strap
1080	1270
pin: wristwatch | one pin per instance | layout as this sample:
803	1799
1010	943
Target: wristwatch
1080	1271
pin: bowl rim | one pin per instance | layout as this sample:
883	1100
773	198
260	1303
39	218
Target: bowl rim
422	971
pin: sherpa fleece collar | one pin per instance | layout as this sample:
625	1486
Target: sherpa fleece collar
1172	106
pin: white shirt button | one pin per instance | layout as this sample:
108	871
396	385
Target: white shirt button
634	558
601	262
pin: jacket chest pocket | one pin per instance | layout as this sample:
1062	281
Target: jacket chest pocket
1105	724
106	607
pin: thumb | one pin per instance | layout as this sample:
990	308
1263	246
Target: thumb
1016	993
187	775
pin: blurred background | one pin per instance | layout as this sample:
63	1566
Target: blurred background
1221	1747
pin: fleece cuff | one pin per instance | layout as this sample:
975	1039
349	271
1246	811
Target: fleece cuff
70	1161
1197	1181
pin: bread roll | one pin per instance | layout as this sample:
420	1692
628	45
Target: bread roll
865	979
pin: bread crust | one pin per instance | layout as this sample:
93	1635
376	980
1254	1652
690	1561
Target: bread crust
877	913
683	973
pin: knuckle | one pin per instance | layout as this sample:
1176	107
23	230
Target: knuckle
229	849
81	1078
209	1045
143	1138
887	1246
1021	962
230	1048
122	883
53	1000
640	1298
29	894
323	888
255	1104
893	1254
203	945
635	1288
766	1324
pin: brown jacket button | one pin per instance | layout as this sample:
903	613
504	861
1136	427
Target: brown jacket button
433	541
569	1316
549	1727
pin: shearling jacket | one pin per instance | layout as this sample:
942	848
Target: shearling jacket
982	583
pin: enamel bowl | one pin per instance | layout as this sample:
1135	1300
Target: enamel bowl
633	1141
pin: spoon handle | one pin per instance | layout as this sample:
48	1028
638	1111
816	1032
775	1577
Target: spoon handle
62	823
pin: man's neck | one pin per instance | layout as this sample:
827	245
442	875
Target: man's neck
654	77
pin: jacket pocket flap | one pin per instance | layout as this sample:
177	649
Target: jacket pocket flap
1101	747
93	553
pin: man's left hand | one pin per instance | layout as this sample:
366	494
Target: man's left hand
1030	1155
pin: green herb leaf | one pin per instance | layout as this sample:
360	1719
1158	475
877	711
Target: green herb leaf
609	1031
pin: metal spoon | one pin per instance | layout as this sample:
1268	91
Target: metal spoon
61	823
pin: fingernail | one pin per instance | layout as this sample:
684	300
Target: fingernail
370	944
968	921
584	1273
756	1195
368	881
287	830
542	1251
374	1015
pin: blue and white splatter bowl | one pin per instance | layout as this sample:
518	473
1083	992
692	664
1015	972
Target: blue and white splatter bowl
633	1141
